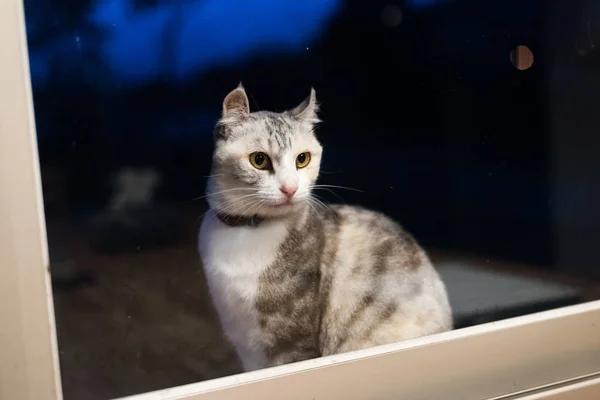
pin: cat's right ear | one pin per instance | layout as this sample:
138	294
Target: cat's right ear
236	108
236	105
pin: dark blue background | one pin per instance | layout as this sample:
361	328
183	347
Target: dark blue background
430	118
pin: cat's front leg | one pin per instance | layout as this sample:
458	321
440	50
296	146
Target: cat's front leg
290	354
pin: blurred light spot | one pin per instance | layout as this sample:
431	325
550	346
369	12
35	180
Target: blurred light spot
391	16
521	57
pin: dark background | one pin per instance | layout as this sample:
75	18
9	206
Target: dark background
428	118
492	168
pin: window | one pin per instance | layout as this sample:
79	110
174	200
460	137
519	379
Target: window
483	150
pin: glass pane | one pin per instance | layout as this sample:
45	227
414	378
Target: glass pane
472	124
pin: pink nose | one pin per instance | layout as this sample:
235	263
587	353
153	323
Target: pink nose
289	190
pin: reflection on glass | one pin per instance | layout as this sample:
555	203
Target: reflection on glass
431	113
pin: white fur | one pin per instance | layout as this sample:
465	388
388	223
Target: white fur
234	259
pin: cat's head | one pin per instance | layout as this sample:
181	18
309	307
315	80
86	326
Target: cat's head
264	162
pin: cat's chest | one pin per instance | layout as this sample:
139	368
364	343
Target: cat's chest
234	260
235	257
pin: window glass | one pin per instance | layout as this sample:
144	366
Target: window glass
473	124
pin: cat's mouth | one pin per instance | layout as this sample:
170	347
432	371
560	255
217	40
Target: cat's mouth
285	203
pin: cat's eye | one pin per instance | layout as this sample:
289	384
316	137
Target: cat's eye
260	160
302	160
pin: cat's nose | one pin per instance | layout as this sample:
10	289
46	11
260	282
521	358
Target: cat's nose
288	189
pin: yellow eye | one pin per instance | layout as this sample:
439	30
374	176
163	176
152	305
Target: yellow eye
260	160
302	160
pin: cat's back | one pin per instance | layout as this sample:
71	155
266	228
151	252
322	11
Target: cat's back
363	233
382	287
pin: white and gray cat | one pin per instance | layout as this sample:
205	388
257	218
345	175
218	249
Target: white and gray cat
292	281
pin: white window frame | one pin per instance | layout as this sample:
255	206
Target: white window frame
487	361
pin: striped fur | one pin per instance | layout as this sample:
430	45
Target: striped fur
306	281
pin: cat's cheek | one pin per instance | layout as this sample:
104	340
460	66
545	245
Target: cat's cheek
254	178
304	184
311	174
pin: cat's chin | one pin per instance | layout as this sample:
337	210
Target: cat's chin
271	210
283	209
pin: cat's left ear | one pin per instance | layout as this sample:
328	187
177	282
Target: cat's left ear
236	105
308	109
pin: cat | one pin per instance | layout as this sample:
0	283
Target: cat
292	281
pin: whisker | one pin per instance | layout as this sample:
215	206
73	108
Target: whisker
317	202
321	207
239	202
325	205
231	204
333	193
313	207
249	206
336	187
260	206
215	194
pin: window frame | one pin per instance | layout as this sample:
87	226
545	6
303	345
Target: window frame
485	361
588	389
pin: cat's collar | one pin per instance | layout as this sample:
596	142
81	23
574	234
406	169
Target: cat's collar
240	220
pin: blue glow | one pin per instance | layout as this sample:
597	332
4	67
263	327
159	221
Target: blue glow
210	33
